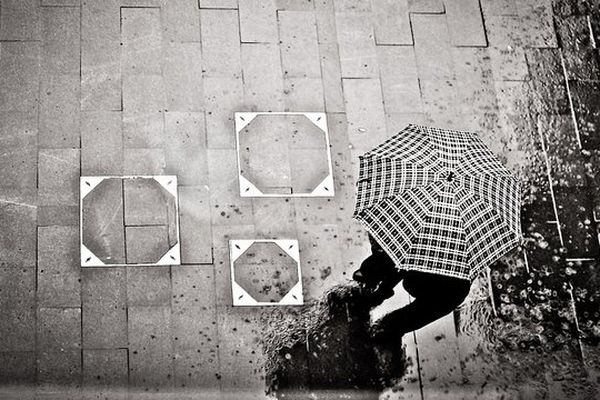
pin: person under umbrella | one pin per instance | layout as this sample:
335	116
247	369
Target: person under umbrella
439	207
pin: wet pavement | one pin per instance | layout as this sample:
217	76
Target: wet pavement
150	87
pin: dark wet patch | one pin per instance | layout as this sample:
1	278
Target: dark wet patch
579	54
586	104
545	69
323	350
579	230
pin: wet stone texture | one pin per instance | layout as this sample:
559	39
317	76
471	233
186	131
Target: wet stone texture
586	98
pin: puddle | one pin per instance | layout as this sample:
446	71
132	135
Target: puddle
322	350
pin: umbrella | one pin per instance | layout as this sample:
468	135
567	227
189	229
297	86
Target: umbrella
438	201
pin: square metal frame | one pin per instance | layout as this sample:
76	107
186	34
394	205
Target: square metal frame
248	189
240	297
88	183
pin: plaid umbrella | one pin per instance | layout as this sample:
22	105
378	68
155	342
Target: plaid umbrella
438	201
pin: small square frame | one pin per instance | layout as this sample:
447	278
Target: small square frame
248	189
88	183
237	247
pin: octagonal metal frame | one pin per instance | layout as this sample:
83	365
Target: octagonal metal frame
248	189
88	183
240	297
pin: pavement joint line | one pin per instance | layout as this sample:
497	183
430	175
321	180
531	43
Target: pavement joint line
570	97
550	186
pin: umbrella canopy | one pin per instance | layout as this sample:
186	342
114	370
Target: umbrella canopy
438	201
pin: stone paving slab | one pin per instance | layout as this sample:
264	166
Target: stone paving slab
60	51
141	41
150	348
180	21
59	328
58	272
143	161
100	56
185	147
20	20
273	218
58	177
19	83
465	23
59	112
222	95
146	244
240	353
61	3
18	218
258	21
58	215
227	4
220	43
501	7
17	367
19	159
365	113
432	47
506	51
331	77
356	45
105	368
194	316
226	207
426	6
263	77
144	129
18	309
148	286
304	94
299	44
393	22
325	19
401	92
104	308
101	143
321	259
195	215
182	73
59	366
